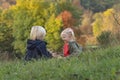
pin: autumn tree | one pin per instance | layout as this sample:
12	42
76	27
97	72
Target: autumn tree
53	27
6	37
67	19
98	5
30	13
116	20
103	22
27	13
71	15
86	22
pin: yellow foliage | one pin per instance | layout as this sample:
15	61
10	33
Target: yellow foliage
108	12
103	22
98	24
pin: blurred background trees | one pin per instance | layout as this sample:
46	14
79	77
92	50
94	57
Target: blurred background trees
6	37
17	20
91	20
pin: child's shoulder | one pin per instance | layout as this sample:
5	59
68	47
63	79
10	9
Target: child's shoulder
72	42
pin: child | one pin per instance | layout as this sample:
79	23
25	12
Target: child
36	47
70	45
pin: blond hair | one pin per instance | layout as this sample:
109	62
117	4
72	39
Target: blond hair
68	31
37	33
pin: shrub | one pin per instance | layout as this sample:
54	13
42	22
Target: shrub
102	64
6	37
104	38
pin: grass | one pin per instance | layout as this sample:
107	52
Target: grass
102	64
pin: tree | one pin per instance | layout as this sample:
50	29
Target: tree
53	27
116	20
66	8
97	24
6	37
28	13
87	19
67	19
98	5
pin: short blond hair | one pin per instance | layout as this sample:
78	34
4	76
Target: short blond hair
68	31
37	33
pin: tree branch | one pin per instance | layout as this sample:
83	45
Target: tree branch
115	18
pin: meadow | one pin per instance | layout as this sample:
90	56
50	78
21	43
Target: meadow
95	22
101	64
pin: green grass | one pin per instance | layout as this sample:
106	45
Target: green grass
102	64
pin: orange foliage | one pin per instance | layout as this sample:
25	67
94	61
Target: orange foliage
66	18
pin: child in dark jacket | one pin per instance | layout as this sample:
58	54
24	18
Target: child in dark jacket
36	46
71	47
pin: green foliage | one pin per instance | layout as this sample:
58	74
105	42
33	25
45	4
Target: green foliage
53	27
66	5
101	64
34	13
104	38
98	5
21	29
6	37
23	21
16	22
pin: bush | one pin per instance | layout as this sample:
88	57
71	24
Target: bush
101	64
6	37
104	38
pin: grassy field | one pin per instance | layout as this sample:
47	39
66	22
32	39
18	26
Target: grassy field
102	64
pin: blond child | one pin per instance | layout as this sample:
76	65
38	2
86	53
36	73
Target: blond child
36	46
70	47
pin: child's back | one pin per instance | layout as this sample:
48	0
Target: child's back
74	48
36	47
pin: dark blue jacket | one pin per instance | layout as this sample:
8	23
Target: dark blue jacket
36	49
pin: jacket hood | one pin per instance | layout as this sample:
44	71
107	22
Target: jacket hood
31	44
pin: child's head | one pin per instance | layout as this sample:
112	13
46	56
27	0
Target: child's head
68	35
37	33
